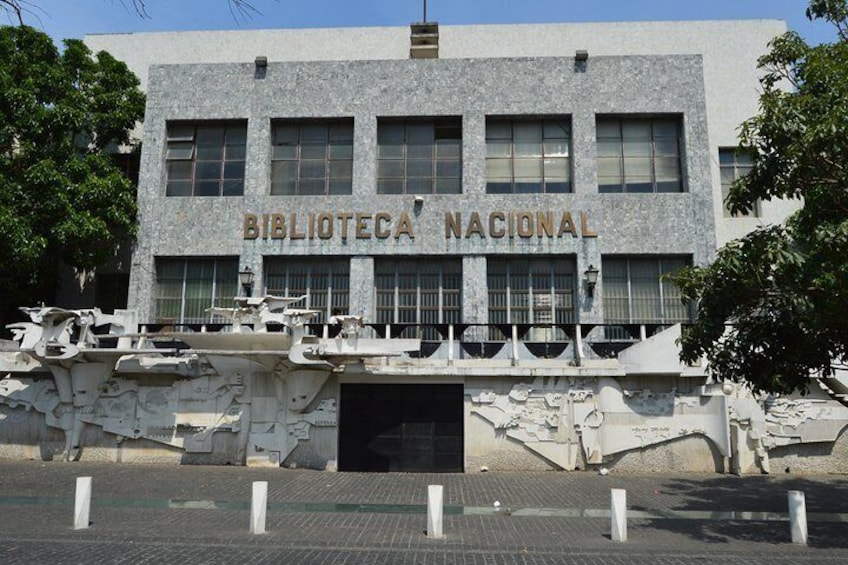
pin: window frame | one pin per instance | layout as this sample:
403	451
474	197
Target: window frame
545	159
734	166
218	297
627	149
332	164
663	298
399	166
184	148
336	268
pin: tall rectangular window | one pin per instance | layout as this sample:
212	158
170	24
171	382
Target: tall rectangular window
531	291
419	156
206	159
186	287
419	291
313	157
528	156
635	292
734	164
639	155
325	283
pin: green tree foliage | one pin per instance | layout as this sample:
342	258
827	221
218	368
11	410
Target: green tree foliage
61	196
783	289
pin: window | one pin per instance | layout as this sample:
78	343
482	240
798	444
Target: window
734	164
312	158
419	291
185	288
324	282
634	292
419	157
639	155
531	291
206	160
528	156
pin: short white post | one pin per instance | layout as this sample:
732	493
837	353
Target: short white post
258	507
798	516
618	513
435	511
82	503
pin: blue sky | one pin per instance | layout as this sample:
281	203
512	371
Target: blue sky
76	18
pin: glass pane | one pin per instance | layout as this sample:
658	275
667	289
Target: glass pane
341	169
390	132
419	185
312	169
206	170
666	128
448	148
343	186
420	133
556	129
235	152
341	150
282	171
610	148
283	186
636	129
637	149
313	134
207	188
390	169
178	188
608	129
312	187
498	149
528	149
448	169
528	169
667	147
498	187
180	132
313	151
284	152
394	186
668	168
180	150
234	170
637	167
233	187
419	168
498	168
448	186
419	150
499	130
390	150
556	169
179	170
556	149
286	135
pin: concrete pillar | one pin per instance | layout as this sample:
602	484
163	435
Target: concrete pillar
798	516
618	514
82	503
435	511
258	507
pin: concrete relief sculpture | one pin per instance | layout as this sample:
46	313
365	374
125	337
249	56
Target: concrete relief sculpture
255	384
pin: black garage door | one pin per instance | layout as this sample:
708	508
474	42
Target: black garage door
411	428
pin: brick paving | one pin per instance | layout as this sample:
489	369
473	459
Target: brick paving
193	514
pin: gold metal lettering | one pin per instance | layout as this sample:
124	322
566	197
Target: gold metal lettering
525	224
345	218
545	223
251	229
496	231
404	227
325	225
474	226
293	233
362	226
585	230
566	225
379	219
453	225
278	226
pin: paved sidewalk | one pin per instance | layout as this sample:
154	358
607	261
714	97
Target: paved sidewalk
192	514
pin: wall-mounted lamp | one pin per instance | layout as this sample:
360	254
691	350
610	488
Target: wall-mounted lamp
246	281
419	200
581	56
591	279
261	62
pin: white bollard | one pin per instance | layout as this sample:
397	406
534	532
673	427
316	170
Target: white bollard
258	507
82	503
435	511
618	514
798	516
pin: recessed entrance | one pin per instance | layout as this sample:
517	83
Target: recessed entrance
405	428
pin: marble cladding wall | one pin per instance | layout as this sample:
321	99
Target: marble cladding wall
471	89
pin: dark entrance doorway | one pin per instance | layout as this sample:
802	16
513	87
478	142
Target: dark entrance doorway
406	428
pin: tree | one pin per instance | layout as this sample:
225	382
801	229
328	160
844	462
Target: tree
17	9
62	198
773	306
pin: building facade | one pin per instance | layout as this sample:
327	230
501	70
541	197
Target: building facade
511	196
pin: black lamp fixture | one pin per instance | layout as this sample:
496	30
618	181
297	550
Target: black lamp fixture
591	279
246	281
